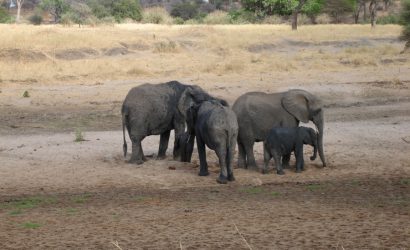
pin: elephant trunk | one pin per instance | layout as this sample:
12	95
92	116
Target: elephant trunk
318	121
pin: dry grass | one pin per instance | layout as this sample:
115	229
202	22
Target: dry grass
184	51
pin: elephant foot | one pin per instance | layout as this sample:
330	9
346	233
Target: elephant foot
231	177
203	173
138	162
222	180
160	157
264	171
298	171
280	172
285	165
253	167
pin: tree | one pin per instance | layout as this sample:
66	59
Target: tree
295	13
79	13
373	12
405	21
55	7
19	4
336	8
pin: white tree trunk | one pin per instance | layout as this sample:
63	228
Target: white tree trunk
19	4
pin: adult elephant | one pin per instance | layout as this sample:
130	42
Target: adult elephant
258	112
154	109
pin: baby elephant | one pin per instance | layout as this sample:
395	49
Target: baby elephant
184	145
214	125
282	141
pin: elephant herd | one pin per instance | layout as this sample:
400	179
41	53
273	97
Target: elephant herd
255	116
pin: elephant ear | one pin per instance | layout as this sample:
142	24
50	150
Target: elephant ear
185	101
296	102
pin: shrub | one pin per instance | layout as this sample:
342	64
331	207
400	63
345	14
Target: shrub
67	19
36	19
242	16
390	19
26	94
156	15
178	20
123	9
217	17
185	10
4	15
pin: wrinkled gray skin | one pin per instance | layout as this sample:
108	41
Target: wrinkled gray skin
258	112
184	146
214	125
153	109
284	141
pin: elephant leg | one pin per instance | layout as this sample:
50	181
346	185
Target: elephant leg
250	163
278	163
203	169
299	159
221	152
137	155
229	160
241	155
163	145
266	158
285	160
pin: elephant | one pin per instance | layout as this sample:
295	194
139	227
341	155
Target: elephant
154	109
215	125
184	145
258	112
283	141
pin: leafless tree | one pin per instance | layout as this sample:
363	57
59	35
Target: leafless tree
19	4
373	12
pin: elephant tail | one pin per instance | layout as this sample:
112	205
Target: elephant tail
124	122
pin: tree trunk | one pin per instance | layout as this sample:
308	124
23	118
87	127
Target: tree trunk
364	11
19	4
296	13
373	12
357	12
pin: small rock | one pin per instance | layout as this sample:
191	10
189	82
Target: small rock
256	182
172	168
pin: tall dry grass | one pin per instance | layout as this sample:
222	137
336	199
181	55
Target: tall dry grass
154	51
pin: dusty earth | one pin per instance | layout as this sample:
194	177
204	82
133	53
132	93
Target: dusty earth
56	193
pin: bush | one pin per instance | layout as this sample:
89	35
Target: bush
156	15
36	19
185	10
390	19
178	20
4	15
123	9
217	17
243	16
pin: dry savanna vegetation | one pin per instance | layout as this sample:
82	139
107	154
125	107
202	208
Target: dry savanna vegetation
64	182
51	54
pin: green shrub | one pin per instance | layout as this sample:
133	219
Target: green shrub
178	20
5	16
123	9
185	10
26	94
156	15
242	16
217	17
390	19
36	19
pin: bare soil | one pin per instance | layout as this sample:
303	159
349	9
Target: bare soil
56	193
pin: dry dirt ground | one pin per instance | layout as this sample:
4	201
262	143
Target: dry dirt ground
56	193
